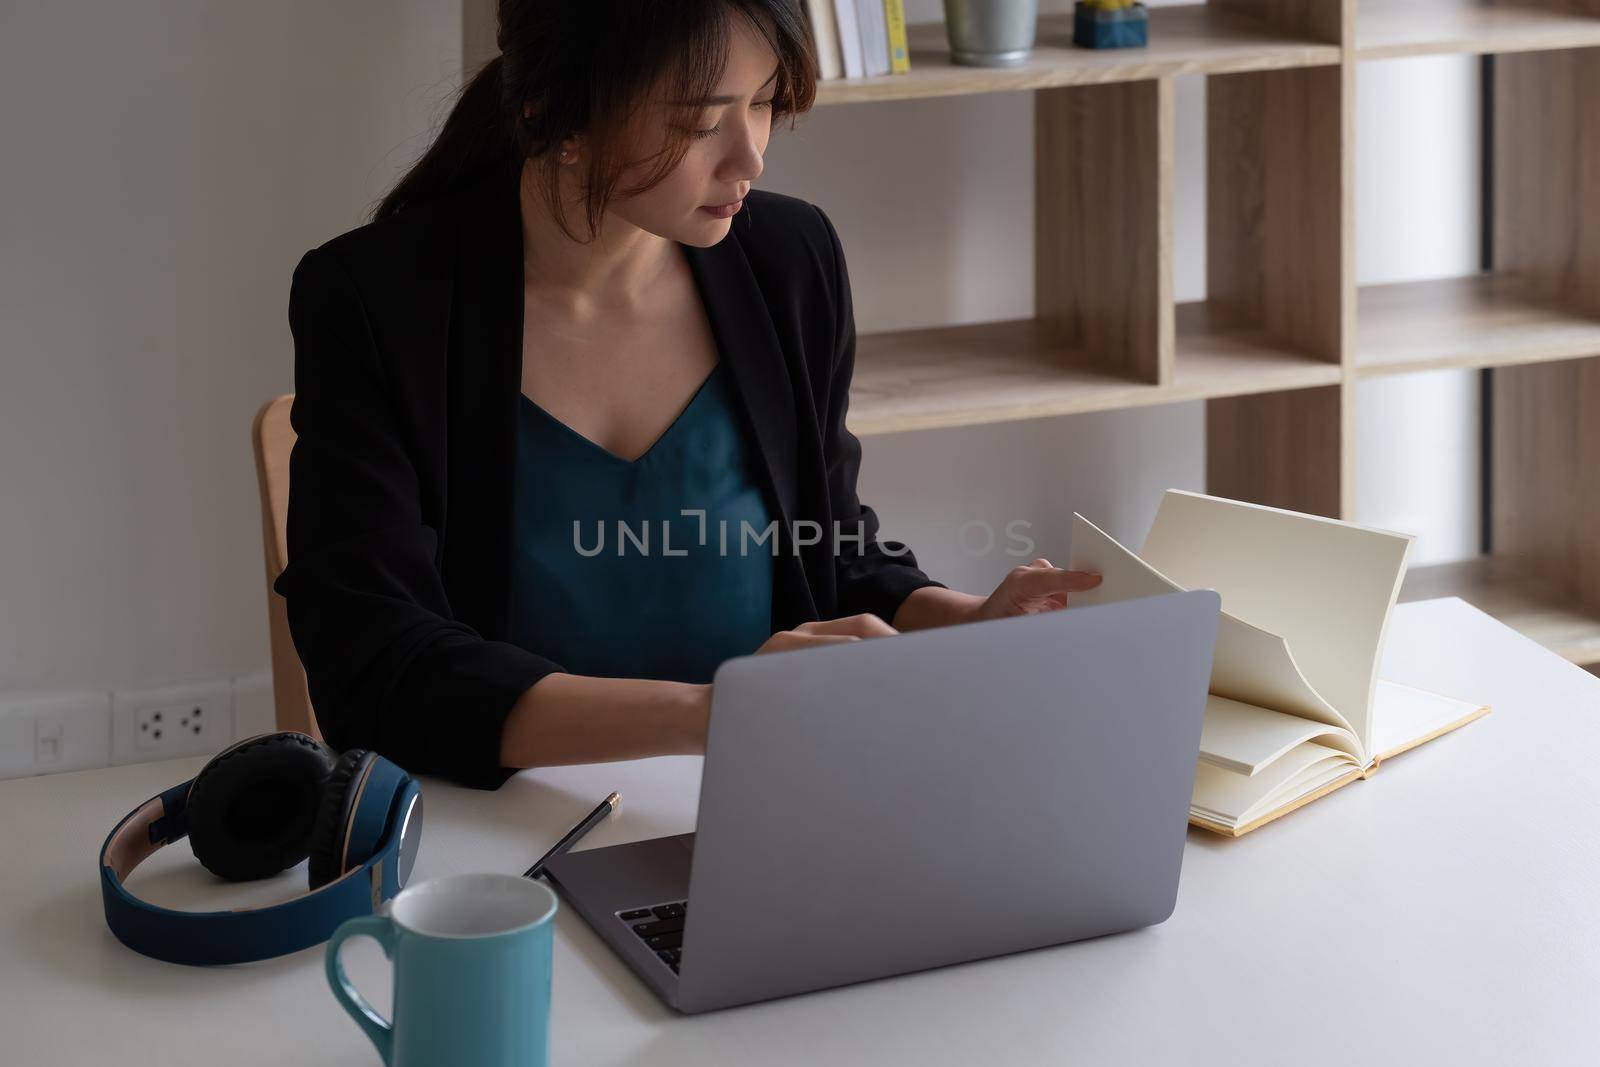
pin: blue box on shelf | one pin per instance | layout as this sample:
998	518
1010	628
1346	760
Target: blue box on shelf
1097	27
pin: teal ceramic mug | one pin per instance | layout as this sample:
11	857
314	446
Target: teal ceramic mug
471	957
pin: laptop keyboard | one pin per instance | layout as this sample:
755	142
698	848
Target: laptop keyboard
660	927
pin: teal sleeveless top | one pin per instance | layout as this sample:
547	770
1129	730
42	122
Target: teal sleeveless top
637	589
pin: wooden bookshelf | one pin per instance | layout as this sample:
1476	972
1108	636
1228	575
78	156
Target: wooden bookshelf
1393	29
1285	335
1218	361
986	372
1191	39
1003	371
1484	321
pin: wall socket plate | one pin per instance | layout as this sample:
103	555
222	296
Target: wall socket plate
194	719
46	733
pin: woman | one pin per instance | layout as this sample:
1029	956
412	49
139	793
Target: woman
683	367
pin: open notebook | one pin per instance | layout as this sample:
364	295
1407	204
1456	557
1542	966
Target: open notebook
1296	707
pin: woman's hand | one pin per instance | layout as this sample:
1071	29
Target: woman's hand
1027	590
828	632
1034	587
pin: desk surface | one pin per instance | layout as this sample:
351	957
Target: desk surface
1445	910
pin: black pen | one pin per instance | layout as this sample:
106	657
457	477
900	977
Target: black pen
607	806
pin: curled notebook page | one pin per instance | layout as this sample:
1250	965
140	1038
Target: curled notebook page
1326	586
1250	664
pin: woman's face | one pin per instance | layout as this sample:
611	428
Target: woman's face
725	151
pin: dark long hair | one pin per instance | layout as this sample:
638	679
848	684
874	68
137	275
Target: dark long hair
586	66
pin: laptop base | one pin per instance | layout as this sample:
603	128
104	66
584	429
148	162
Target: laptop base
602	883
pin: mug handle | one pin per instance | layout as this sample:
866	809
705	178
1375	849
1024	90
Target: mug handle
381	930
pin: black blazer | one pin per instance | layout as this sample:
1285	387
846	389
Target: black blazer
408	358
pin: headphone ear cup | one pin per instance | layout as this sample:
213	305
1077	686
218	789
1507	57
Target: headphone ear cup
251	809
333	817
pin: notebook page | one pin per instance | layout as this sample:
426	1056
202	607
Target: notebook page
1404	716
1245	738
1234	799
1326	586
1249	664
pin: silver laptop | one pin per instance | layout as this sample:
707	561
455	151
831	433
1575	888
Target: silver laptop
889	805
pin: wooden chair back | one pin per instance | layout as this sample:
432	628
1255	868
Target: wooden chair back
273	437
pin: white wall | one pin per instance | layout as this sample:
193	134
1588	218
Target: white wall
165	165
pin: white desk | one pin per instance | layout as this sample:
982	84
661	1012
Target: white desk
1445	911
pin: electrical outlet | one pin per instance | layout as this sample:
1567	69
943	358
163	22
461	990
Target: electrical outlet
49	744
194	719
46	733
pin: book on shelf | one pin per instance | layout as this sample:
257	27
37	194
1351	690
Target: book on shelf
825	38
858	38
894	12
874	31
849	33
1296	708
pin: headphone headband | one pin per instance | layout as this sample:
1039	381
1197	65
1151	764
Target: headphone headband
244	934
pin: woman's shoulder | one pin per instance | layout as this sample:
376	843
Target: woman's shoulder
770	211
401	244
399	267
782	222
789	240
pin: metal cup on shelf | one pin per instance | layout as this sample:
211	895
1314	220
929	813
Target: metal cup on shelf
991	33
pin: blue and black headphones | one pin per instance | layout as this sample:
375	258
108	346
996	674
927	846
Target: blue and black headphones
255	809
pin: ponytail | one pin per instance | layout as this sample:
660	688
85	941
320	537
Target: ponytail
476	136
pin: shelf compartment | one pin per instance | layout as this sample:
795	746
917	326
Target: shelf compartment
1304	469
1217	360
978	373
1391	29
1102	195
1275	204
1269	341
1191	39
1516	594
1487	320
1004	371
